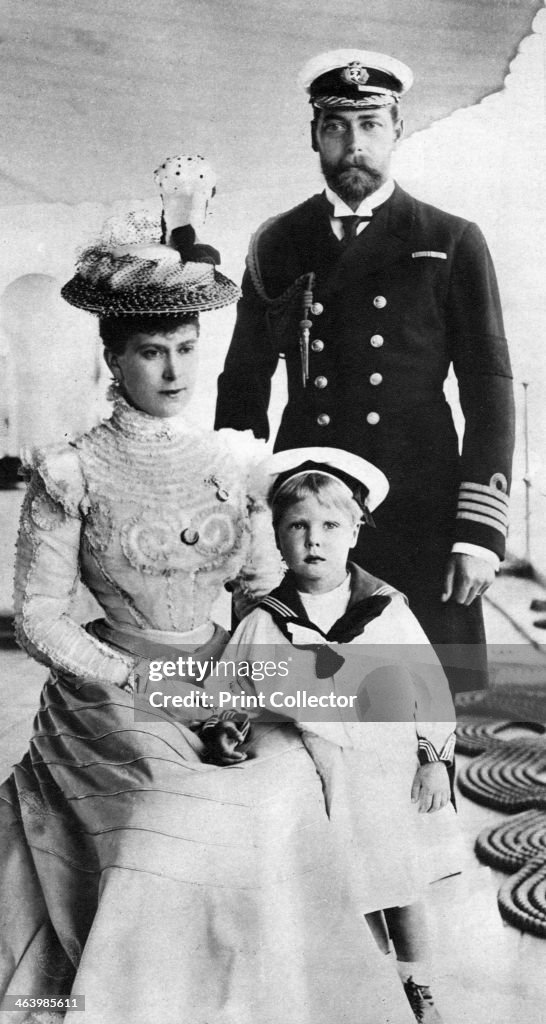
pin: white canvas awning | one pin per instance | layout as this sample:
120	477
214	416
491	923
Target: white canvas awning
94	94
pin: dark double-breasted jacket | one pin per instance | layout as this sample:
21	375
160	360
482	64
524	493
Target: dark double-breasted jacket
413	294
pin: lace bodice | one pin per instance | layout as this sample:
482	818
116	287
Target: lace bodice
151	512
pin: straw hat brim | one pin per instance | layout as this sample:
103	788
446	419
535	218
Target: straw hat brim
147	301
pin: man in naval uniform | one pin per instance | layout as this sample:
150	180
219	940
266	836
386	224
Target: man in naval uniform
371	296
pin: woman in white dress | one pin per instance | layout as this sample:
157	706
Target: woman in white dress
159	887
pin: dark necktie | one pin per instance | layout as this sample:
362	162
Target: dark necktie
350	225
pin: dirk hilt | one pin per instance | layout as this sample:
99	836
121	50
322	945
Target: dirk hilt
305	327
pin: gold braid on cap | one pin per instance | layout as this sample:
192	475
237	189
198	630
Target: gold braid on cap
375	99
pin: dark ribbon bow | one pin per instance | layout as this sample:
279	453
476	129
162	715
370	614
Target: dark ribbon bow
183	239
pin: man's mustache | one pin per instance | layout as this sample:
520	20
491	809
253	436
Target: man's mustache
354	165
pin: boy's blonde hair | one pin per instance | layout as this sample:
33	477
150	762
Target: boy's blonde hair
326	489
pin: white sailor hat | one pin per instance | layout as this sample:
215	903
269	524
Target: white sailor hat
364	481
354	79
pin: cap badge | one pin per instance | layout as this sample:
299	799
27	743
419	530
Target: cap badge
355	73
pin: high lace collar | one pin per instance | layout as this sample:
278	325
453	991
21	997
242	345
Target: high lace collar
134	422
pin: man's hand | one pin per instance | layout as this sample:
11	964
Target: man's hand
221	742
467	577
431	789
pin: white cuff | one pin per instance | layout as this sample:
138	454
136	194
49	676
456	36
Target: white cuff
462	548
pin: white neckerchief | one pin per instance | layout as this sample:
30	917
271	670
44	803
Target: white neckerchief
366	208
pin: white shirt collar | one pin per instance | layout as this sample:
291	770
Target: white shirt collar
367	205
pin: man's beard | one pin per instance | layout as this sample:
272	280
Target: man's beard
351	182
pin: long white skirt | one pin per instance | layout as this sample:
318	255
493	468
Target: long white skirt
167	890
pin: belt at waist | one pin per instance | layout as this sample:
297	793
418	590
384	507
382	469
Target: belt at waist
156	645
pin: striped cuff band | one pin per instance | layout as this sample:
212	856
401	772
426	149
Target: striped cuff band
483	504
240	719
428	753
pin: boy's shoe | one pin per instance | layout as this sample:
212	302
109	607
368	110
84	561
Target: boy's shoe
422	1003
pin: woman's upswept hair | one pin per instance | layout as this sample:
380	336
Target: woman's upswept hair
326	489
116	330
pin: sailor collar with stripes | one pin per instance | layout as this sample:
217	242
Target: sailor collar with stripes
286	609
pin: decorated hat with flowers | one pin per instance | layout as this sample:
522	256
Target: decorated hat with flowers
129	271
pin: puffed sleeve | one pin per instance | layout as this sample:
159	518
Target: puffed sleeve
482	365
47	573
262	567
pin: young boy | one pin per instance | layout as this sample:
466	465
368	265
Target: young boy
383	766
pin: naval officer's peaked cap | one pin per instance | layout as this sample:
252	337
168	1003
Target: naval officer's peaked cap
354	79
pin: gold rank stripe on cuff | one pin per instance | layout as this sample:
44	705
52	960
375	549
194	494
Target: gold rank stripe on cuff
482	504
430	253
428	751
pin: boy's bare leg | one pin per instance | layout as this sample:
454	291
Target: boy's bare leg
378	927
408	930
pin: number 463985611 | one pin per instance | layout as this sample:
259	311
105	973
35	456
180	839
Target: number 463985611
25	1002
